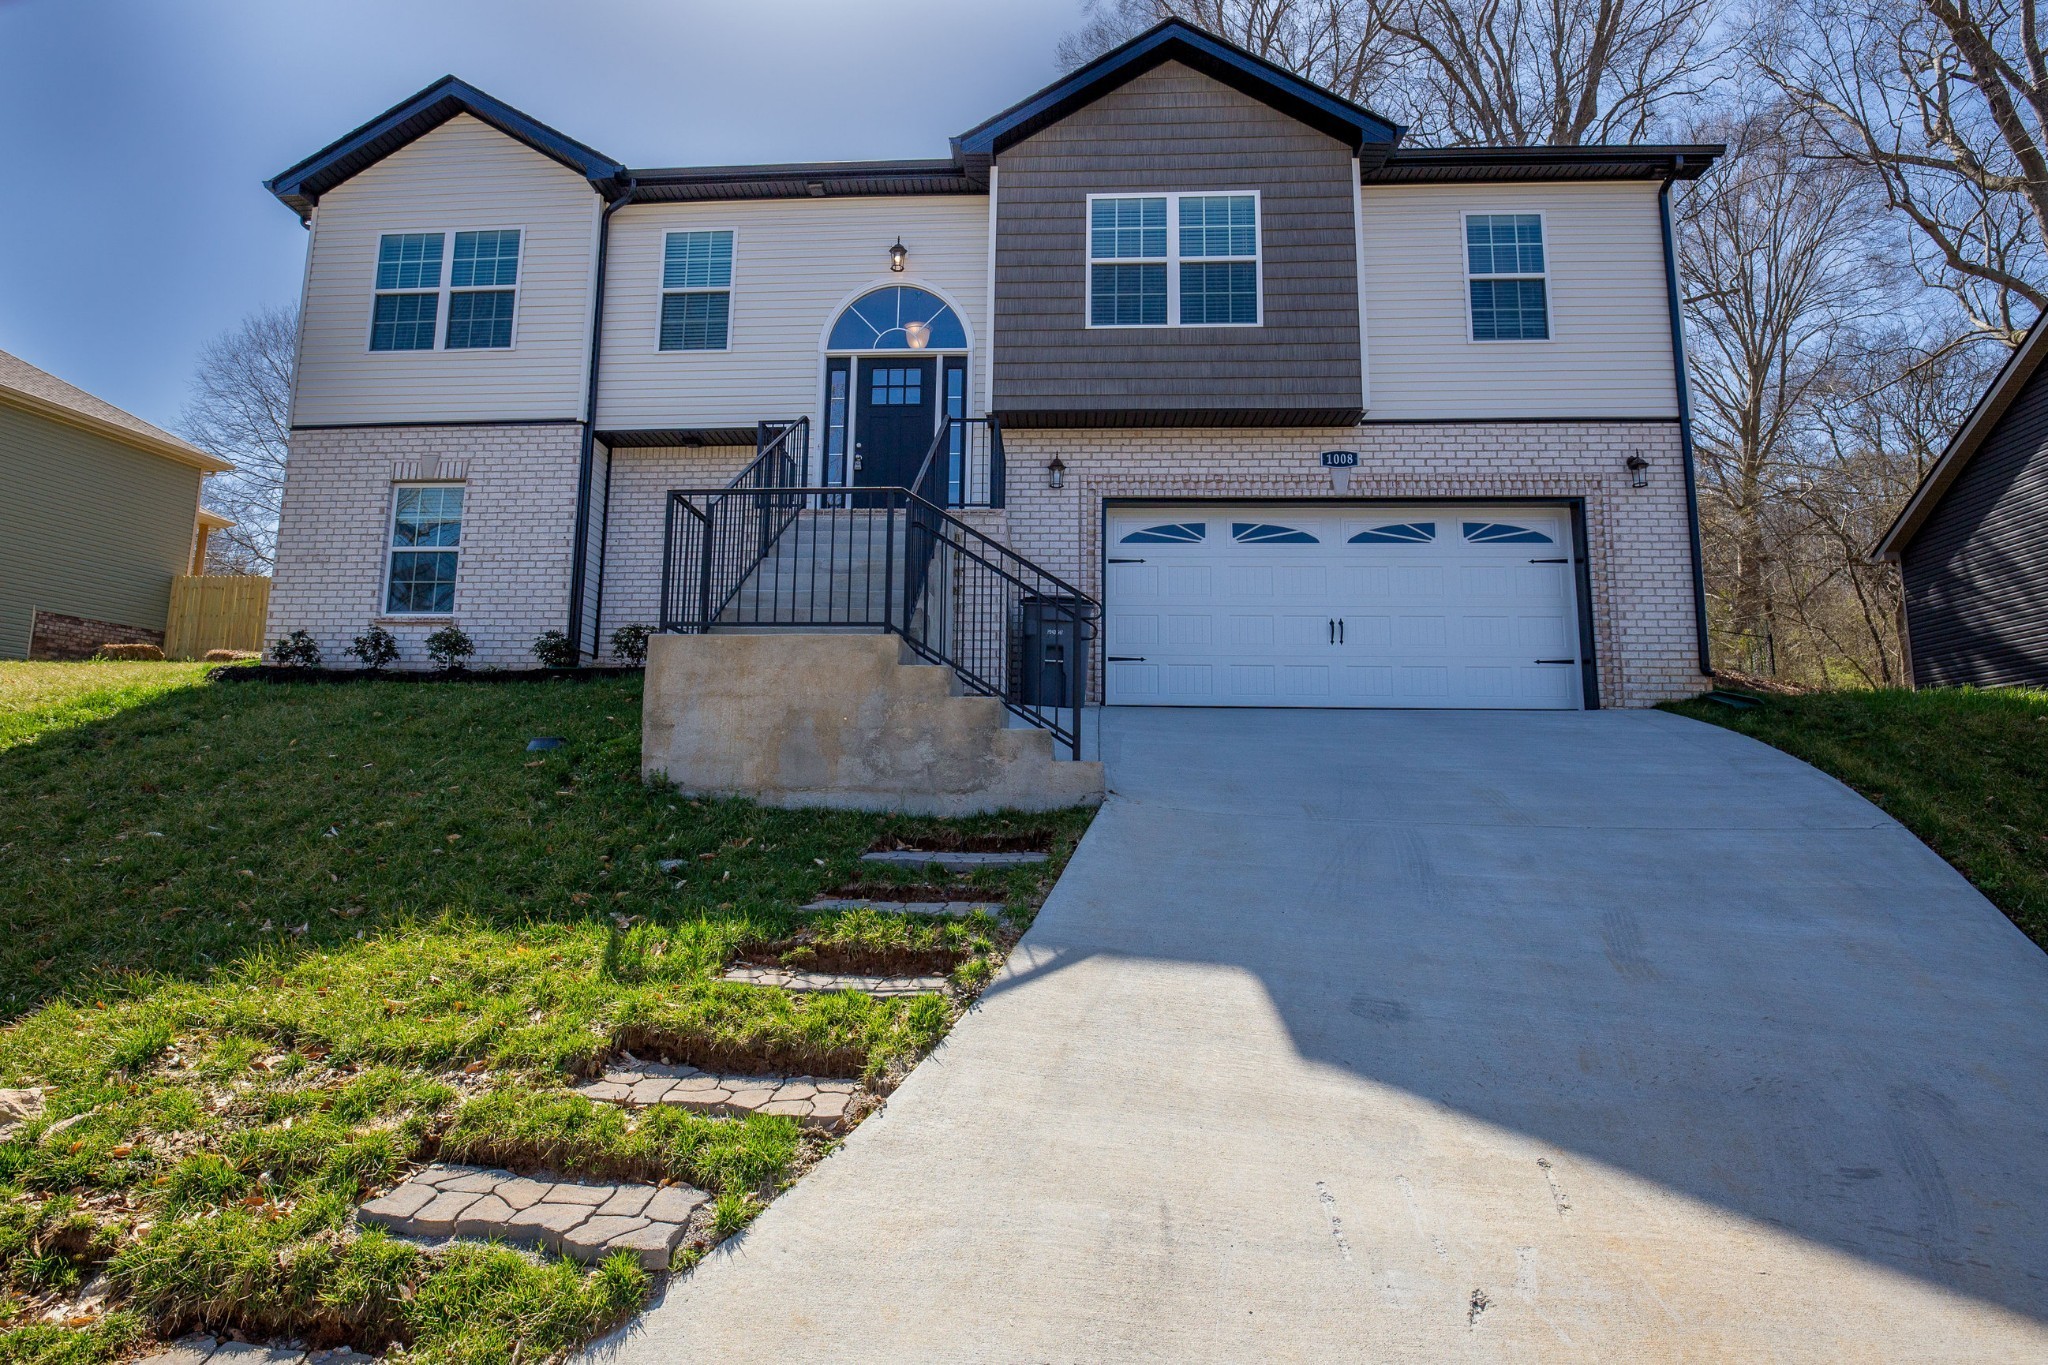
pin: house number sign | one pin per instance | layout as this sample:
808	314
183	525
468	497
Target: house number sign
1340	459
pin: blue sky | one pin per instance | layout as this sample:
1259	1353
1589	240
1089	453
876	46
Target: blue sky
133	223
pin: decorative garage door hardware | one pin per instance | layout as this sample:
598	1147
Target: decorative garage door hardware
1412	615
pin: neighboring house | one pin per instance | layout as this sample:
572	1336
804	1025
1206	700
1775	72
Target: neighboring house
1140	306
101	511
1972	543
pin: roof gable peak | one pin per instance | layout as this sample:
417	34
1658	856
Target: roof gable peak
411	119
1176	40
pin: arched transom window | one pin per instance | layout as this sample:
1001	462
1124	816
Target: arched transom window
898	318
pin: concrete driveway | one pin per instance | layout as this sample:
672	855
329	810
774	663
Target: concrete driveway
1440	1037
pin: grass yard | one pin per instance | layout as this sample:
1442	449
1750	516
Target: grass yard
1965	770
270	947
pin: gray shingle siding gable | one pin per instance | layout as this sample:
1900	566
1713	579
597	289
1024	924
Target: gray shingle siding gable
1976	572
1173	129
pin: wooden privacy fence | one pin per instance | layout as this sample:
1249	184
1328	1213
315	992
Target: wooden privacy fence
218	611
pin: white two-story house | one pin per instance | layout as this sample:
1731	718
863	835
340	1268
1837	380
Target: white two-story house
1317	418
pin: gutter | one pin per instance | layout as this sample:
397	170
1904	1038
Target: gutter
1683	379
581	548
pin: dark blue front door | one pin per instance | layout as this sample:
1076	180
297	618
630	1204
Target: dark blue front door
895	414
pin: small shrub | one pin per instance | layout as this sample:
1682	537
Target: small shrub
146	653
630	642
232	656
376	648
296	650
450	648
554	650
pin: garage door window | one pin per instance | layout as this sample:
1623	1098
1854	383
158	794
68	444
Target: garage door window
1179	533
1400	533
1501	533
1265	533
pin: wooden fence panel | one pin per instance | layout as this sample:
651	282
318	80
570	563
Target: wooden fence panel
217	611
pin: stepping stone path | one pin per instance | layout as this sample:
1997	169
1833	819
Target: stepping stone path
588	1222
954	908
198	1350
952	862
885	986
815	1102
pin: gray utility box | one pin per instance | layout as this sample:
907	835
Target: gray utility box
1051	638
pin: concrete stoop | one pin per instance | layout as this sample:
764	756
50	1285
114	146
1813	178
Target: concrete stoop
842	720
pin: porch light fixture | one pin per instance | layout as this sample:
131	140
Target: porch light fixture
917	335
1638	470
1056	473
897	255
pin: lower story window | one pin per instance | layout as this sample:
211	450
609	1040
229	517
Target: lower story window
426	543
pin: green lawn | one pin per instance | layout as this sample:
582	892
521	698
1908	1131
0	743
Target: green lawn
1965	770
270	946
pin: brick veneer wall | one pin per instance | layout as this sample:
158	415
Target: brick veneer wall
56	636
519	527
1639	539
641	480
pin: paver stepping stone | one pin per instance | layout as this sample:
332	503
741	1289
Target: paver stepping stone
813	1101
586	1221
952	862
836	981
955	908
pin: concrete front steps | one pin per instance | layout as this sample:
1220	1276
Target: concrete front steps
828	565
813	1101
583	1220
846	720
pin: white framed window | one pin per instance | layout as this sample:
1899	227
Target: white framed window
426	549
1507	277
407	311
1174	260
696	291
428	297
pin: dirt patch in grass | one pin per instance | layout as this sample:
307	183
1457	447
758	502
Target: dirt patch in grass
752	1057
804	953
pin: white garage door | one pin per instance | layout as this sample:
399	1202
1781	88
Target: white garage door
1213	604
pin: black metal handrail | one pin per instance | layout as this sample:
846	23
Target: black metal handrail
964	465
726	543
899	563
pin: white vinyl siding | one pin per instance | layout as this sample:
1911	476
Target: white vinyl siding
799	262
1610	349
464	177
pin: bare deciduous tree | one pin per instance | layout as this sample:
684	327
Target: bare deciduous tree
240	410
1944	104
1510	72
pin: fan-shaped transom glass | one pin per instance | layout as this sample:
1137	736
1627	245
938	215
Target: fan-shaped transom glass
1173	533
1503	533
899	317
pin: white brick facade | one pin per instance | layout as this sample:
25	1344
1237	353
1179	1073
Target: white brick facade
1639	538
518	527
641	479
519	519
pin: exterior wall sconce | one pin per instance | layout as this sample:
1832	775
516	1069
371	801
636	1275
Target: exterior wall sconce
1638	470
1056	473
898	254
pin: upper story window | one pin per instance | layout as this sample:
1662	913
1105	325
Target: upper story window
696	291
483	282
426	544
408	292
1507	277
414	276
1173	260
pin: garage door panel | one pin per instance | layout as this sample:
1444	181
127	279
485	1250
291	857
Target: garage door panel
1440	606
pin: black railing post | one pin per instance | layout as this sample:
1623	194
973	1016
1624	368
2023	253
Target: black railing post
888	560
995	462
668	563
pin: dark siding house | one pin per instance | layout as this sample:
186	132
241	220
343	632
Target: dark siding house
1972	545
